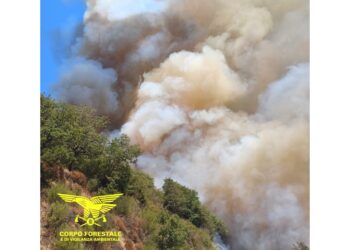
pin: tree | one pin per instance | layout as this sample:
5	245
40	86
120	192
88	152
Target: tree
172	234
70	135
182	201
142	188
185	203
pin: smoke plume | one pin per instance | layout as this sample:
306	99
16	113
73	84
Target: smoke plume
216	93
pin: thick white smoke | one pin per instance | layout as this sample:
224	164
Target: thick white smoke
251	170
216	93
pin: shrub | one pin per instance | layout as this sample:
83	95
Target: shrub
198	239
185	203
149	245
142	188
150	218
55	189
173	234
213	225
68	245
58	214
182	201
93	185
127	206
114	170
118	178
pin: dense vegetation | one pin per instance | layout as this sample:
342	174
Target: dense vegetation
77	157
185	203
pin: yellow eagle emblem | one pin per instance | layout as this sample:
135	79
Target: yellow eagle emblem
93	207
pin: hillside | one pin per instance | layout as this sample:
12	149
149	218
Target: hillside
77	157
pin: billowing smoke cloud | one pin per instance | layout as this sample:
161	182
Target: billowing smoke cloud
119	37
216	93
251	170
87	83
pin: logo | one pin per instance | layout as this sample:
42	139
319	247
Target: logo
94	208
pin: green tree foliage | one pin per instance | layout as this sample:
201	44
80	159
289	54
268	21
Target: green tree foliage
182	201
142	188
185	203
127	206
118	166
71	136
151	222
173	233
93	185
112	167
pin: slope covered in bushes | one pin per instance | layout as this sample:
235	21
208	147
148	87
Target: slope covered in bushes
78	157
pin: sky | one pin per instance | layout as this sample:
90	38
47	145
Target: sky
58	19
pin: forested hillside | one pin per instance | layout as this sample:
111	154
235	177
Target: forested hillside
77	157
